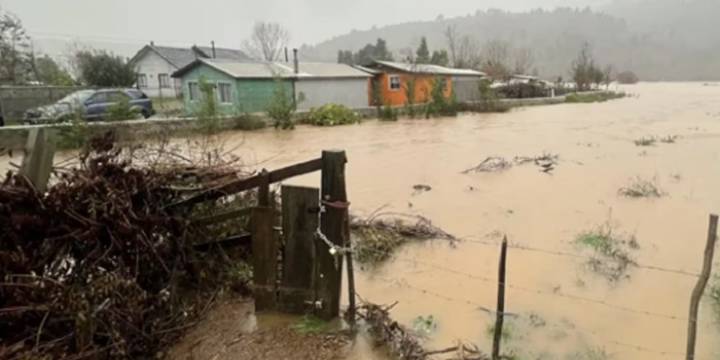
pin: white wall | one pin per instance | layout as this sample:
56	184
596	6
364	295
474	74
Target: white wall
152	65
352	93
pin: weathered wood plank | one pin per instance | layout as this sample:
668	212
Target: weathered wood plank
334	224
265	251
235	187
299	222
38	161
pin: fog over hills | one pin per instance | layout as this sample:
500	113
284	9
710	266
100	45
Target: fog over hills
658	39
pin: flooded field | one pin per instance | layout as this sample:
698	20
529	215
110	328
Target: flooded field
560	307
640	317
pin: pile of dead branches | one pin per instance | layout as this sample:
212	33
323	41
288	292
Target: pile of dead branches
95	267
403	343
375	238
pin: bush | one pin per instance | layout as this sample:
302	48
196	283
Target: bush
122	111
331	115
282	107
207	114
439	105
627	77
248	122
388	113
522	91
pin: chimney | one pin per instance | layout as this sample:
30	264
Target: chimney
213	49
295	61
287	59
152	43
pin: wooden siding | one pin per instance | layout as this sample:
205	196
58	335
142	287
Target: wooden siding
423	88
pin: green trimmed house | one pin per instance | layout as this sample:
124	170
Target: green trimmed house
246	87
239	87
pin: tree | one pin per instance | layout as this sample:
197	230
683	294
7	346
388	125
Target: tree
496	56
627	77
48	72
423	53
101	68
608	76
440	58
267	42
369	53
15	55
523	60
345	57
451	36
583	68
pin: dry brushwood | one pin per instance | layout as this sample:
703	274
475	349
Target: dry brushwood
403	343
375	238
545	162
93	267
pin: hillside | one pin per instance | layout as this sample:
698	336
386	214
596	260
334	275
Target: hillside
658	39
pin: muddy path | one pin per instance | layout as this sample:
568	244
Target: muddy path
595	144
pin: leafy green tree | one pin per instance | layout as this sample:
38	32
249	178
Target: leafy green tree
281	107
422	53
370	52
440	58
101	68
15	54
48	72
345	57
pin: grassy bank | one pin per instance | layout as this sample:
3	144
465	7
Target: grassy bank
594	97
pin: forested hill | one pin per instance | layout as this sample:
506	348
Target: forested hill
658	39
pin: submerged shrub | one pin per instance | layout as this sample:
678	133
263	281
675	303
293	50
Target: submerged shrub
281	107
640	188
594	97
331	115
388	113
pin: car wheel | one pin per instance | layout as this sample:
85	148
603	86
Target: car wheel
145	113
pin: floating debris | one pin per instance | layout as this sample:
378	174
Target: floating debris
546	163
421	188
641	188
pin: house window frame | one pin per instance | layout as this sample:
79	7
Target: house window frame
142	81
218	91
196	94
390	82
166	83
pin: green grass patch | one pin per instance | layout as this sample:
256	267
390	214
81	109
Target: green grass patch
311	325
580	98
611	251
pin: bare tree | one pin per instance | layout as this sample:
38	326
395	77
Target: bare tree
468	53
267	42
523	59
451	36
496	56
608	76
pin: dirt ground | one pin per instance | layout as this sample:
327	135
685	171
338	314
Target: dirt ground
231	331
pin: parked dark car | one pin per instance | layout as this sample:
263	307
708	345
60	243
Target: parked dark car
90	105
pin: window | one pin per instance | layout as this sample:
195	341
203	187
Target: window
142	80
193	91
164	81
116	96
98	98
395	83
225	93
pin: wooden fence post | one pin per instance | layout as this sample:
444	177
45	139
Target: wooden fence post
264	189
265	252
700	286
500	302
300	207
38	160
333	223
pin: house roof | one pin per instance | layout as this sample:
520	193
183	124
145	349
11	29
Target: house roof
429	69
223	53
181	57
262	70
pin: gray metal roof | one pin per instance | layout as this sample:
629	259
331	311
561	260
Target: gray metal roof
179	57
260	70
224	53
429	69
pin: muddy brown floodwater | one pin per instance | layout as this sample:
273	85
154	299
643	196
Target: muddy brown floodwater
643	317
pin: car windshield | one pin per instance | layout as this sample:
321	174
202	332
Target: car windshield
77	97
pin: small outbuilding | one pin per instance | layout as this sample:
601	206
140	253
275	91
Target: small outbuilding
394	80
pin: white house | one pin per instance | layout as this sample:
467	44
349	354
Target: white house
154	66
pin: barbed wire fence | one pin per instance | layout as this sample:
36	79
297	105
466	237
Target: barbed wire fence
573	297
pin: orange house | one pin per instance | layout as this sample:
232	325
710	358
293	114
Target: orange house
394	81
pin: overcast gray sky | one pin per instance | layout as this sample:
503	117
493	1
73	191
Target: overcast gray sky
228	22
